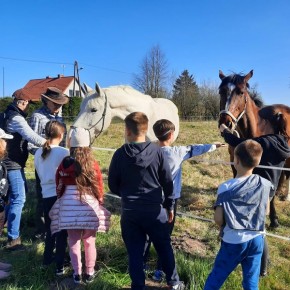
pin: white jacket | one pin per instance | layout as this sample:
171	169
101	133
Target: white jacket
69	212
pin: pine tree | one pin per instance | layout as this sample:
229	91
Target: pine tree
185	94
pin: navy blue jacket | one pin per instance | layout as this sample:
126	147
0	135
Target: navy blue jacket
140	174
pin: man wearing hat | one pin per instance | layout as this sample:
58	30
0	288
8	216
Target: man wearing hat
17	154
53	100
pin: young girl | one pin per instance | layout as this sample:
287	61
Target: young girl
46	161
4	267
78	209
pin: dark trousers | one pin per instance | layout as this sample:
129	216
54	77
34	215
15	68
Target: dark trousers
39	218
148	241
135	225
58	241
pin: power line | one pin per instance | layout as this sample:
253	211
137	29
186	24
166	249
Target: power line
64	63
38	61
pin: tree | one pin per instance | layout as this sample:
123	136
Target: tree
210	100
186	94
153	74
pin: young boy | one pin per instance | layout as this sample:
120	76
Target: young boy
240	212
140	174
164	131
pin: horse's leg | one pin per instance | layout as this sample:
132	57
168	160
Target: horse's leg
288	189
273	216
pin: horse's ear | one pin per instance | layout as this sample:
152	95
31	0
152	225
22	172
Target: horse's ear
221	75
98	89
87	88
248	76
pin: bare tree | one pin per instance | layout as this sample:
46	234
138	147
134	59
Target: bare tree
152	78
209	98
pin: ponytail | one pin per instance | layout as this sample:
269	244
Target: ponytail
53	129
281	125
277	120
45	149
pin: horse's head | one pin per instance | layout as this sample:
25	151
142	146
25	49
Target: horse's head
95	112
233	98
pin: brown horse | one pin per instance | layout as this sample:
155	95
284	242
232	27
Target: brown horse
239	111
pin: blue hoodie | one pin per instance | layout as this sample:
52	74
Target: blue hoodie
140	174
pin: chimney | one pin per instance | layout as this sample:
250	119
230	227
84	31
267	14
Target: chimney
59	76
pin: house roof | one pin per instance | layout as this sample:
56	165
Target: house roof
37	87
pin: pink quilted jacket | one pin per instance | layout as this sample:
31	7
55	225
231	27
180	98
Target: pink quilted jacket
69	212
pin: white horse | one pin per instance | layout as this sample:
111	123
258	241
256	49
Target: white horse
101	105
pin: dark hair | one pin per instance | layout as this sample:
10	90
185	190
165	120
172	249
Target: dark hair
137	123
53	129
162	129
277	120
249	153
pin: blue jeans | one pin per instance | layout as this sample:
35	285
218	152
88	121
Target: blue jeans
247	254
16	191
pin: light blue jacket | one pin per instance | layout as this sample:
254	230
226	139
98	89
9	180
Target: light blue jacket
177	154
245	204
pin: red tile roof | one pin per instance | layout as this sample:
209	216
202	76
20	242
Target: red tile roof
38	86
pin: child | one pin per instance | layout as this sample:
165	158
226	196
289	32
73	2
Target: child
140	174
4	267
78	209
164	131
240	212
274	141
46	161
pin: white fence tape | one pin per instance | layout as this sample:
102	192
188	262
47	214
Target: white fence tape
205	161
205	219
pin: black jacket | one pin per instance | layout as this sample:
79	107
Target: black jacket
139	174
275	152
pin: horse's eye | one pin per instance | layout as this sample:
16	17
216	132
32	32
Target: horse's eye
93	110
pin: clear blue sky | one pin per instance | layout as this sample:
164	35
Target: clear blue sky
110	38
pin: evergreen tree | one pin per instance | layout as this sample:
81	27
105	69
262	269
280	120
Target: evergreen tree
186	95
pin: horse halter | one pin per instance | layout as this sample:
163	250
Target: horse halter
238	118
101	119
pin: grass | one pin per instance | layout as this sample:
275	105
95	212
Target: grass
195	241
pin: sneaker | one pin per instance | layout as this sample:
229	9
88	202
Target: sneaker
158	275
90	278
14	245
5	267
4	275
77	279
179	286
59	271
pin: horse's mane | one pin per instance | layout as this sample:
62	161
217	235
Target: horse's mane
257	99
236	79
124	91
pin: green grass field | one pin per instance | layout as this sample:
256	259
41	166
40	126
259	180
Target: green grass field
195	241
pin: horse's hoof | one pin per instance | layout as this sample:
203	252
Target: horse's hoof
274	224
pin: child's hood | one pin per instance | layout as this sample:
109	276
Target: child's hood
67	166
141	154
278	144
